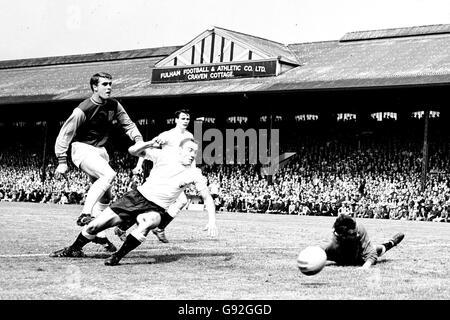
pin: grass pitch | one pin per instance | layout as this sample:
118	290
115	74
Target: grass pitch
254	257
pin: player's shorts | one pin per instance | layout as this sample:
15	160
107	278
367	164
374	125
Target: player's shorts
80	151
132	204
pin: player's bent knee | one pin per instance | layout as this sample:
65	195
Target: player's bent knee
104	183
95	226
156	220
107	219
110	176
140	219
148	220
92	228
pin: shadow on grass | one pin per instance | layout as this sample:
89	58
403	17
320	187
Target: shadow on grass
383	261
137	259
315	284
334	265
195	240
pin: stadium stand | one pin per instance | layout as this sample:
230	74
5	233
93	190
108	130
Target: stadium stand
365	167
372	176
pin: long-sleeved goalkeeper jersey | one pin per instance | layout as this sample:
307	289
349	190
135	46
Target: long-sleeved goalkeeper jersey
355	252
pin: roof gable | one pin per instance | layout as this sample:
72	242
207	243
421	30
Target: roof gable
218	45
390	58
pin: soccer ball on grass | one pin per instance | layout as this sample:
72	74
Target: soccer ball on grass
311	260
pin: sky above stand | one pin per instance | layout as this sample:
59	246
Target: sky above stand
45	28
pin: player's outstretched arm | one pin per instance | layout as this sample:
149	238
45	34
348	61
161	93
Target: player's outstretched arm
138	149
211	209
161	139
64	138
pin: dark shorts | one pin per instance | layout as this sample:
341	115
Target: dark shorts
132	204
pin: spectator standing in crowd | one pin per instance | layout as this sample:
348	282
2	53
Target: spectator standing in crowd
87	131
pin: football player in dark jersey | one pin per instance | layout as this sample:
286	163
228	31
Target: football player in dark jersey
87	130
350	244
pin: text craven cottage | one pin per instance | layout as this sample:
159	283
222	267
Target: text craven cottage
235	149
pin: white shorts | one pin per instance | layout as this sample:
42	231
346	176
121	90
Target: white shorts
81	151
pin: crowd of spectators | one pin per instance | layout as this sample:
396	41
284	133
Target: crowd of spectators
367	178
382	181
22	179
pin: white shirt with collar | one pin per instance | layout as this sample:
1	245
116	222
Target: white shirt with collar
169	177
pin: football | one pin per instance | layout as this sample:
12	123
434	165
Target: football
311	260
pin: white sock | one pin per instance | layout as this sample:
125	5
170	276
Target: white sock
138	235
87	235
96	191
173	211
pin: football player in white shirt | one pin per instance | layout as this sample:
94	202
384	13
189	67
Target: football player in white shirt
148	205
169	141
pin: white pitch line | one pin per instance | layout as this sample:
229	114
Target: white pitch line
23	255
30	255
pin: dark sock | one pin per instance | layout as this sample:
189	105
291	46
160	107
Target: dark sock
80	242
125	225
165	220
388	245
129	244
380	250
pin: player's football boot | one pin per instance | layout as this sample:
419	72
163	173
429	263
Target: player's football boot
68	252
396	239
108	245
84	219
159	233
112	261
122	234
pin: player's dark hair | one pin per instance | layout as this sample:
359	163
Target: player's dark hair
186	140
344	223
97	76
178	112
